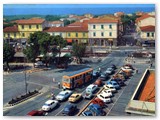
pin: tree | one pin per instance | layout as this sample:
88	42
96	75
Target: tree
8	54
60	43
79	51
32	48
66	22
44	43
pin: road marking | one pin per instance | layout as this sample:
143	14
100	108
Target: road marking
59	112
117	98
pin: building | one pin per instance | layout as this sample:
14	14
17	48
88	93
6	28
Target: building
143	99
103	32
88	15
118	14
70	34
55	24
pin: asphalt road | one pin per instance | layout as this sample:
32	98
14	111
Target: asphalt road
14	85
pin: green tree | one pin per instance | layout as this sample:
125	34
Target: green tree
79	51
66	22
8	54
32	49
60	43
44	43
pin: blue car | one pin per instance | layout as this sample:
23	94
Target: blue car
87	113
114	83
96	110
69	109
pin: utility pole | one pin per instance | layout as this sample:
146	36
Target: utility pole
25	80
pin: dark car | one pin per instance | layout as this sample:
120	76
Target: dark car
103	76
96	110
87	113
69	109
62	66
113	66
36	113
98	82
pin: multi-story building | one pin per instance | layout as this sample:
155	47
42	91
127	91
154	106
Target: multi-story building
55	24
103	32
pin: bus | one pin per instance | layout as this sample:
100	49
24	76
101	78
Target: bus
77	78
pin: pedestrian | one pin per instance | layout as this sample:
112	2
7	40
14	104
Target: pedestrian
151	65
136	70
99	69
59	85
52	96
64	88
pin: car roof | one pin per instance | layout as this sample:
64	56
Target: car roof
63	92
91	85
49	101
96	105
69	105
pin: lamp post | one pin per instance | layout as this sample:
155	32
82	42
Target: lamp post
25	76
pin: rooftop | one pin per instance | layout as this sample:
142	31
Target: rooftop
11	29
144	17
148	28
95	20
31	21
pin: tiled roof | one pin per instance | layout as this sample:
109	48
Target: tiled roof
148	28
31	21
11	29
102	21
75	24
79	24
66	29
144	17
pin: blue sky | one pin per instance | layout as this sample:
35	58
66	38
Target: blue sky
61	9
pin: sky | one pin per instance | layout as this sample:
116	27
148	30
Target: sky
63	9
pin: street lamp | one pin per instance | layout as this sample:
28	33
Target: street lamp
25	76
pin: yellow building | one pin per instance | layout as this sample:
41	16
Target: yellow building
11	33
26	27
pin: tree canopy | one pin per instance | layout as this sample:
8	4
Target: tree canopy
8	53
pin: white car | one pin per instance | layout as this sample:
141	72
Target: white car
108	92
38	63
63	95
104	97
109	70
50	104
91	88
88	95
126	68
110	87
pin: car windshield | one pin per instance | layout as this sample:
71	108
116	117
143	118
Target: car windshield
47	104
61	94
89	90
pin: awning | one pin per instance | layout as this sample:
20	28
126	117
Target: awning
69	40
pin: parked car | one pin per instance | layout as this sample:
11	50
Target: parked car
49	105
114	83
110	87
87	113
38	64
63	95
103	76
107	92
104	97
75	97
88	95
98	82
62	66
109	71
96	110
36	113
96	73
126	68
98	101
92	88
69	109
119	76
113	66
119	81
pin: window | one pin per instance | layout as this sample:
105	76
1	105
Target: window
60	34
22	26
15	35
69	34
102	26
110	26
30	26
23	35
8	35
84	34
102	34
110	33
152	34
94	26
76	34
94	34
147	34
37	26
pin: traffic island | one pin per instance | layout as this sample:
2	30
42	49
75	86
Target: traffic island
22	98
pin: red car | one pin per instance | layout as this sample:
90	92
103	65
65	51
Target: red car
98	101
98	82
36	113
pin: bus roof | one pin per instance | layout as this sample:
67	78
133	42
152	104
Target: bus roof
79	71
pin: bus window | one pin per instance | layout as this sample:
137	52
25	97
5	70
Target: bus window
66	80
